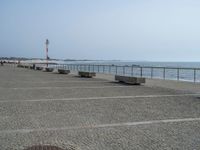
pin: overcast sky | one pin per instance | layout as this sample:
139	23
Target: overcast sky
151	30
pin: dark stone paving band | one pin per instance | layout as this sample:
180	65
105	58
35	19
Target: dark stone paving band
47	147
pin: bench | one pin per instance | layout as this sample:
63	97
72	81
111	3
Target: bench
47	69
63	71
86	74
130	80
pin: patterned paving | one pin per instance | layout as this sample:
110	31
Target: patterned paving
65	111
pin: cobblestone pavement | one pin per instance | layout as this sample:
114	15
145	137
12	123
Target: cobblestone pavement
93	114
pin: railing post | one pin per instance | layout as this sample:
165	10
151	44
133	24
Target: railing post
140	71
132	70
93	68
116	70
164	73
151	72
98	68
178	74
109	69
103	68
194	75
89	67
123	70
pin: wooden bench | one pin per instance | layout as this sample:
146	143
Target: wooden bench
47	69
130	80
86	74
63	71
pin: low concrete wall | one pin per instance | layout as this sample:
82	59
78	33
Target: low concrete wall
63	71
49	69
130	80
86	74
39	68
20	66
26	66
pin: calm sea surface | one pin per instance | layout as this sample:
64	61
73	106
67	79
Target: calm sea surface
141	63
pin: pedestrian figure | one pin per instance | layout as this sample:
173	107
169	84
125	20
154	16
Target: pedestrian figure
1	63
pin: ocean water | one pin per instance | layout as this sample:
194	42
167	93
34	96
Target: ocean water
141	63
169	73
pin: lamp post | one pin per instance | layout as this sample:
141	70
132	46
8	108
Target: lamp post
47	57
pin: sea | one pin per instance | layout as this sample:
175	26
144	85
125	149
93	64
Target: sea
140	63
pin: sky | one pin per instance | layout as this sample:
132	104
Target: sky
139	30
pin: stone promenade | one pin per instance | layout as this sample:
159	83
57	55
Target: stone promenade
73	113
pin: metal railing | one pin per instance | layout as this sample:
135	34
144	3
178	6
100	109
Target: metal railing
169	73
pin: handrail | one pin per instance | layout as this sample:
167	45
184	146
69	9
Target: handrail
177	73
137	66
